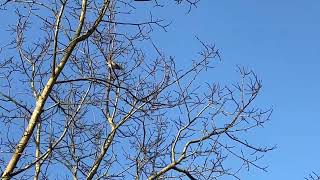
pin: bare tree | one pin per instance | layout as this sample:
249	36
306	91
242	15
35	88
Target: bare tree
312	176
81	98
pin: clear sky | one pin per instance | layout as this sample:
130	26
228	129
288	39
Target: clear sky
280	41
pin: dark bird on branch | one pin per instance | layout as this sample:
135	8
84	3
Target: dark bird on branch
113	65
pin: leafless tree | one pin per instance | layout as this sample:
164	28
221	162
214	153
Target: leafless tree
312	176
81	97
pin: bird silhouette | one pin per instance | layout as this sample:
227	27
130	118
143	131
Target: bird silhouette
113	65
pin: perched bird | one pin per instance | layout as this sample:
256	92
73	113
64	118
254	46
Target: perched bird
113	65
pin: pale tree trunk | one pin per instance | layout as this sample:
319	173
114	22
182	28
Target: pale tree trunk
48	87
38	152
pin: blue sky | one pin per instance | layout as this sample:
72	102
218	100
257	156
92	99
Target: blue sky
279	40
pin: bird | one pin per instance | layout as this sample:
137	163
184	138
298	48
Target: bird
113	65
